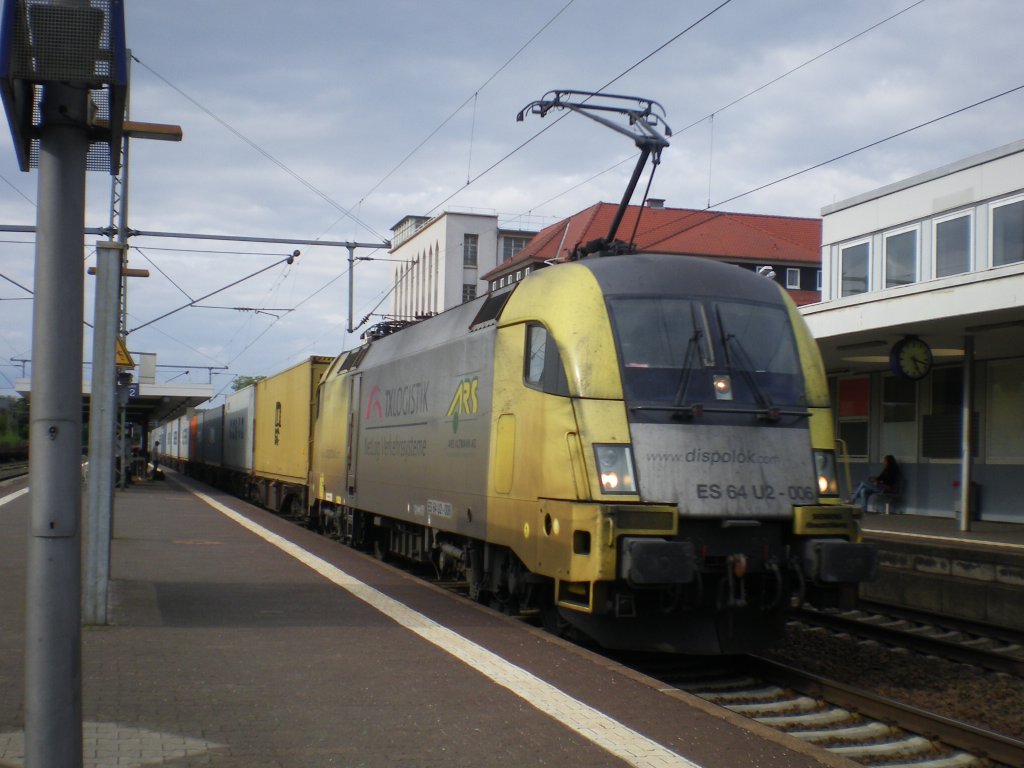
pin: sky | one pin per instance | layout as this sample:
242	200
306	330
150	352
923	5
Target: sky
311	120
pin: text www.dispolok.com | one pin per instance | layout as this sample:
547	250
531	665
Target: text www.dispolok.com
699	456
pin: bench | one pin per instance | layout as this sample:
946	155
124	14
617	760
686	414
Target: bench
885	501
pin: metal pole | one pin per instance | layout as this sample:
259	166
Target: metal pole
102	414
122	465
965	433
351	278
53	642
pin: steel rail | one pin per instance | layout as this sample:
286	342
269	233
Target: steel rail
946	649
980	741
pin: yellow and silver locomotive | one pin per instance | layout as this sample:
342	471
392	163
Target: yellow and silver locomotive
638	446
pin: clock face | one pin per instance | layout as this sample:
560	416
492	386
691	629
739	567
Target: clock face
911	358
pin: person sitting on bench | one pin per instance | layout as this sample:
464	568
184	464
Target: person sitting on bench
885	482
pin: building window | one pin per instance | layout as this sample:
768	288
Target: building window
501	283
940	430
901	258
1005	418
526	272
952	246
854	269
512	245
817	281
1008	233
899	416
468	291
792	278
470	244
519	275
853	410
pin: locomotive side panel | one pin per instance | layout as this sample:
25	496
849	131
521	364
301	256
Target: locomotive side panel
557	395
536	454
421	431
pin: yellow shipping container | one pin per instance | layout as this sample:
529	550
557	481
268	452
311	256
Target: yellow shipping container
284	421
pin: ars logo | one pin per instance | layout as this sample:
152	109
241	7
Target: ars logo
464	401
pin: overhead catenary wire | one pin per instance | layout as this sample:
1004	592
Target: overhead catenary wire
875	143
798	67
287	259
739	99
471	98
557	120
237	133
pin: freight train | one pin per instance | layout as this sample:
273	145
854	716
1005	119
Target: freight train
638	447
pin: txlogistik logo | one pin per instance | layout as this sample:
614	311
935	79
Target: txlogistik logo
464	401
403	400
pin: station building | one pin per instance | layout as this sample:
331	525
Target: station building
439	261
921	322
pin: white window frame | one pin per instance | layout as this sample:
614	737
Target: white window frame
818	281
848	246
470	249
969	215
917	253
792	278
992	226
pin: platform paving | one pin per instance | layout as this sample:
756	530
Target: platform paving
946	530
239	639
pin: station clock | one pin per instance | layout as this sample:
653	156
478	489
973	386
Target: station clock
911	358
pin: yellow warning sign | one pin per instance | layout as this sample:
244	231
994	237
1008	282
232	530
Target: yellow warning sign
124	360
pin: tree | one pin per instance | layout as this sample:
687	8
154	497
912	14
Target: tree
241	382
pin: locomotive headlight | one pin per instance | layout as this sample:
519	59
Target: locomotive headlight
825	471
615	468
722	384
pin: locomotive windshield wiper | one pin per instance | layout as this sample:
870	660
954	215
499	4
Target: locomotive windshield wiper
770	412
684	377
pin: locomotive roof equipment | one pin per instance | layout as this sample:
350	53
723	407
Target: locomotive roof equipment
645	115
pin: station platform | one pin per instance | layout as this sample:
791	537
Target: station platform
928	564
239	639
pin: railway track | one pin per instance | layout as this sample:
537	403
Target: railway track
985	647
10	471
855	724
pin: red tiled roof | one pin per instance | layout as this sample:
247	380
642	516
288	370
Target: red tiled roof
804	297
737	237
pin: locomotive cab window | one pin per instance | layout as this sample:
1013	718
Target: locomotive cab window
685	351
542	365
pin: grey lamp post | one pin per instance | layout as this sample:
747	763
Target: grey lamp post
62	66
